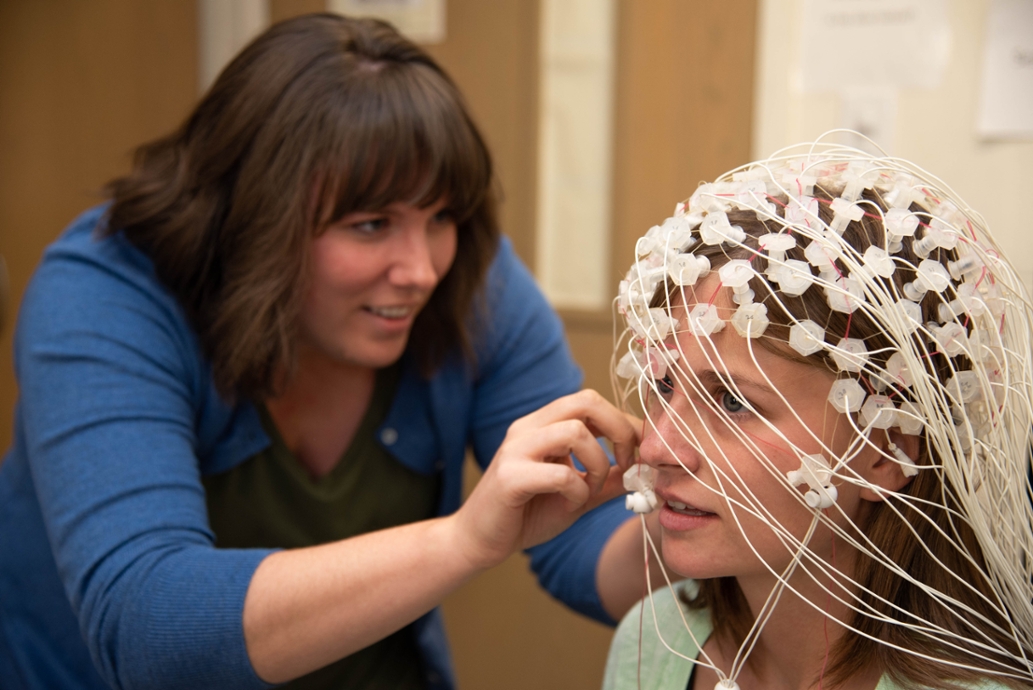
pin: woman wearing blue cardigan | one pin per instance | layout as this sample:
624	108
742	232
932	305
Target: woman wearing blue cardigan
248	383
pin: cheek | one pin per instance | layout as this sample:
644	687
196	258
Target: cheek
337	267
443	251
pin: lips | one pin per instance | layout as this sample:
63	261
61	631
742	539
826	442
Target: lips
678	516
686	509
397	312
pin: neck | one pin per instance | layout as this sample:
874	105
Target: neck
795	644
319	409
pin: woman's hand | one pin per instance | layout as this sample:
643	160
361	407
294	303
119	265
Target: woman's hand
531	491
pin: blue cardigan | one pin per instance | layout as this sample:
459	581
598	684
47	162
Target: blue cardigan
108	572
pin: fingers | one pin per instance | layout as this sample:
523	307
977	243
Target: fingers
599	416
531	490
561	439
612	488
548	478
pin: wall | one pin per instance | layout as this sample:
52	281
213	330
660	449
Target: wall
935	127
683	114
81	84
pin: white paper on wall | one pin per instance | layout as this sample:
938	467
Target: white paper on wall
872	112
1006	101
224	28
873	43
575	151
422	21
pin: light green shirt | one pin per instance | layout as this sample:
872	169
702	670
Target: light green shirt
655	665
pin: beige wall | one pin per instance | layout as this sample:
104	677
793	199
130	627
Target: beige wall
935	128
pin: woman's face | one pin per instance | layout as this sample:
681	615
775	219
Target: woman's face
735	453
371	273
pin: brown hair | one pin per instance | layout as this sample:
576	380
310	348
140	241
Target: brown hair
318	117
928	554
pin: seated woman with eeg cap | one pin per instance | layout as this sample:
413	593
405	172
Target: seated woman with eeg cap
835	362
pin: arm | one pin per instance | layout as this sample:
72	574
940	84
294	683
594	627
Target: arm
302	611
111	393
524	363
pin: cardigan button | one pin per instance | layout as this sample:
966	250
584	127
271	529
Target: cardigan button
388	436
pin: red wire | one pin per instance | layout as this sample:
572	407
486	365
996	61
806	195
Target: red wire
713	297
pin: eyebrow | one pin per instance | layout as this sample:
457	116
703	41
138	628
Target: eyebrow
713	377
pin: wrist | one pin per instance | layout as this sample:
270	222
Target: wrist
469	551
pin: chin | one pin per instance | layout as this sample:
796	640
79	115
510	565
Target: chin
682	565
379	360
373	354
693	564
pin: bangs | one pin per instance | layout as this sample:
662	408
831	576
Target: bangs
401	134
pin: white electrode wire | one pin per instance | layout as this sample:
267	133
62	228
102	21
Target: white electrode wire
746	648
647	544
860	434
801	596
647	538
819	608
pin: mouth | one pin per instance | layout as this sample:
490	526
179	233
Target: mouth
393	313
685	509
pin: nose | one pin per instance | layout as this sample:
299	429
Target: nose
667	441
413	267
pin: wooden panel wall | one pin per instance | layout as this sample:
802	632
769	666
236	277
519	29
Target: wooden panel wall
81	84
684	108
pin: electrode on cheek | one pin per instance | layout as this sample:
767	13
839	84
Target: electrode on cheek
639	480
816	473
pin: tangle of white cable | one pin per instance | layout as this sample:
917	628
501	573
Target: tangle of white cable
756	509
984	314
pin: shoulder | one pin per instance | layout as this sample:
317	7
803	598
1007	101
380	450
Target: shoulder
96	316
84	272
521	353
98	294
515	325
639	654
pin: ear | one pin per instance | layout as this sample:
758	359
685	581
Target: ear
883	470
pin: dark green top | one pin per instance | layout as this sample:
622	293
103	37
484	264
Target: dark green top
271	501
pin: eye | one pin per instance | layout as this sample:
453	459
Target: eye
731	404
444	217
369	226
664	386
